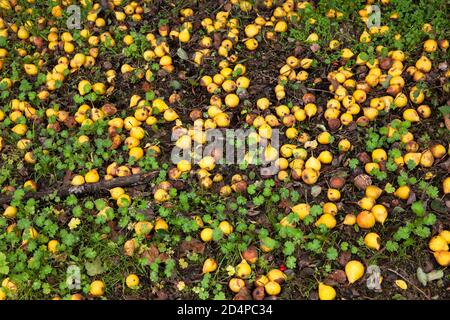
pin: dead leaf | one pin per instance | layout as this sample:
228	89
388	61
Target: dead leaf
67	177
182	54
316	190
94	268
151	254
411	198
335	83
217	40
344	257
193	245
161	295
335	278
422	276
435	275
445	165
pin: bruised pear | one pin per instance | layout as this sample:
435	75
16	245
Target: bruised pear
427	159
210	265
258	293
236	284
372	241
129	247
250	255
310	176
276	275
243	270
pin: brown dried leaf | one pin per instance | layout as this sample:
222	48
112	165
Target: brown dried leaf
315	47
151	254
344	257
194	245
336	277
67	177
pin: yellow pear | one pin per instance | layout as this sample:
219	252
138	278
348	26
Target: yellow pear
243	270
438	243
326	292
354	270
443	258
210	265
372	241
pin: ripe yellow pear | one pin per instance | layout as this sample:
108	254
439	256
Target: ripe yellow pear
243	270
430	45
132	281
92	176
30	69
272	288
84	87
326	219
226	227
161	195
446	185
302	210
97	288
276	275
116	192
349	220
446	235
236	284
402	192
210	265
411	115
310	176
184	36
206	234
424	64
143	228
77	180
354	270
443	258
326	292
380	213
161	224
438	243
365	219
372	241
10	212
53	246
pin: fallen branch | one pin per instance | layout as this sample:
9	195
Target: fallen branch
89	188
